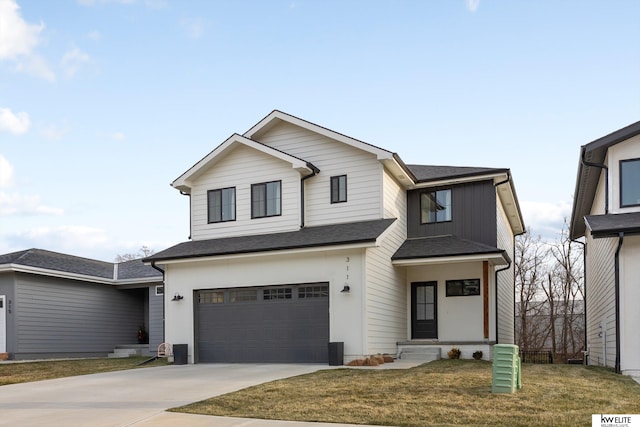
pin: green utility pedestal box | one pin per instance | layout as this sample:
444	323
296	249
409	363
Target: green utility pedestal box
506	369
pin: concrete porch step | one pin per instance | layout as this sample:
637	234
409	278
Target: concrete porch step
419	353
129	350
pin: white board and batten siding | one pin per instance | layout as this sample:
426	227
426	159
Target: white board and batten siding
333	158
386	303
506	284
241	168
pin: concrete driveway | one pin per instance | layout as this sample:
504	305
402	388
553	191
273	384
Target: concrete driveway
138	397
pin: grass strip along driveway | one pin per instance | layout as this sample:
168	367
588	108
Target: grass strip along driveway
442	393
14	373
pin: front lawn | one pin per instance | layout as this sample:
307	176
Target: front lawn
446	392
13	373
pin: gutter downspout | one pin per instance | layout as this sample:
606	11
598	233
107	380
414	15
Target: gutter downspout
153	265
496	295
617	292
584	297
190	220
314	172
606	178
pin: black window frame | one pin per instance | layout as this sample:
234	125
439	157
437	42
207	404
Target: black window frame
266	204
622	162
337	184
433	195
468	287
220	190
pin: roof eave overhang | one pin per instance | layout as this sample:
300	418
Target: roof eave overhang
265	253
184	182
497	258
19	268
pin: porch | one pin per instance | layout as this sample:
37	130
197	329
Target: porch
428	350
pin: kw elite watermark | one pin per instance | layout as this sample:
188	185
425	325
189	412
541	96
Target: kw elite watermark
615	420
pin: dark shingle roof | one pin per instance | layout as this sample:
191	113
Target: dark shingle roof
612	224
48	260
441	246
136	269
425	173
325	235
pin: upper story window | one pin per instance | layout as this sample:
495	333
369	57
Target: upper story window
630	182
435	206
222	205
266	199
338	189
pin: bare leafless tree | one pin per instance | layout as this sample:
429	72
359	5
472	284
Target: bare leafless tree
143	252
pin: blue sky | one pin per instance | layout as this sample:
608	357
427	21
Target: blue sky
104	102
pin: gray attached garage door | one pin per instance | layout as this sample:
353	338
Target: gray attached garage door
282	324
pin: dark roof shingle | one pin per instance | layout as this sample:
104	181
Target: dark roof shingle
425	173
441	246
611	225
325	235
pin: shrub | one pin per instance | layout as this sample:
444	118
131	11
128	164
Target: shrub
477	355
454	353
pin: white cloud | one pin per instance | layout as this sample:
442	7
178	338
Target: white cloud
53	132
545	218
64	238
18	40
6	172
18	204
194	27
94	35
72	60
118	136
16	123
472	5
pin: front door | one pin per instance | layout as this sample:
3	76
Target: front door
424	310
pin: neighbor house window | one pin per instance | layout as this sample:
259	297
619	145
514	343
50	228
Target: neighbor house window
630	182
460	288
266	199
338	189
222	204
435	206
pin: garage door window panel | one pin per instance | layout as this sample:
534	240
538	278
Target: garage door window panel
243	295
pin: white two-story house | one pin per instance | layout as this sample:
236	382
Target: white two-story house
302	236
606	212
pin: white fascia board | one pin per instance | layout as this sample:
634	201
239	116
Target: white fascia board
495	259
273	253
507	196
183	182
18	268
399	173
461	180
380	153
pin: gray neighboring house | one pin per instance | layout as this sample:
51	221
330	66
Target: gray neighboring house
55	305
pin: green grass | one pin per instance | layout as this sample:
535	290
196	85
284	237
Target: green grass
13	373
446	392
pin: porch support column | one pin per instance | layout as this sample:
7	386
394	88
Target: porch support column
485	296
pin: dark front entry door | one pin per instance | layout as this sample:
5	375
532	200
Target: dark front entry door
424	310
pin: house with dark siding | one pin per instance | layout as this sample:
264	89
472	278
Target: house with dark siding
54	305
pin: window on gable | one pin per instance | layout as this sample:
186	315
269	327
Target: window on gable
435	206
266	199
630	182
339	189
222	205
